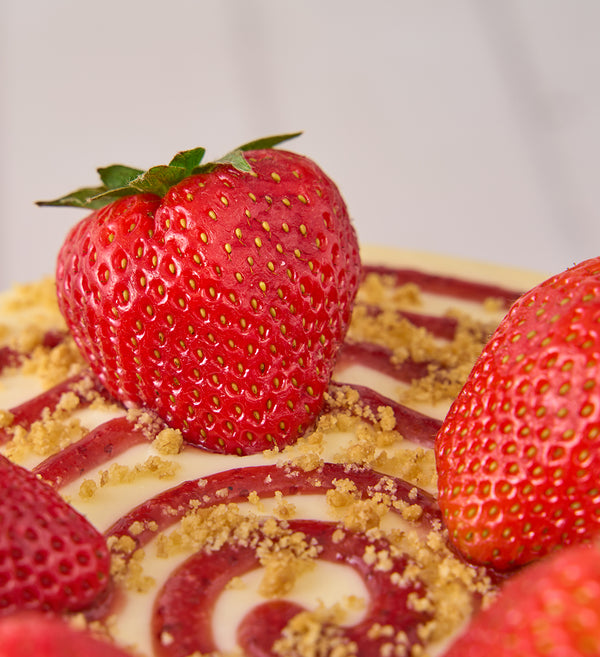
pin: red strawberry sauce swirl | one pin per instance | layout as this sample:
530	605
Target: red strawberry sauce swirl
415	427
32	410
99	446
185	605
445	285
183	608
169	507
380	358
9	358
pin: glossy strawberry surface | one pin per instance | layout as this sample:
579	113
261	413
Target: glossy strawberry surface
220	305
518	454
550	609
51	558
30	633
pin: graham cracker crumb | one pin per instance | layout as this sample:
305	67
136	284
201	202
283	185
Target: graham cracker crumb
168	442
451	362
52	366
207	529
255	499
44	438
236	583
88	489
6	419
314	633
153	466
146	422
374	441
130	573
136	528
284	560
40	294
493	305
284	509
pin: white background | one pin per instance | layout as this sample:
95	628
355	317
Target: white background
469	127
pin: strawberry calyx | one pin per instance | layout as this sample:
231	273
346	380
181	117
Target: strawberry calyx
120	180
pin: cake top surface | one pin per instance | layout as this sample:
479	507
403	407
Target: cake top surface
353	449
260	439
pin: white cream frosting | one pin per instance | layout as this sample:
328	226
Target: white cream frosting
327	583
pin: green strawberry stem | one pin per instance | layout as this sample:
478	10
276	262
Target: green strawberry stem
119	180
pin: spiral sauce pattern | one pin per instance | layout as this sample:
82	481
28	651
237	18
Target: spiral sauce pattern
366	468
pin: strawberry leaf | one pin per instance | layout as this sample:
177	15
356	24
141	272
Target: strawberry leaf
268	142
236	159
188	160
157	180
106	196
120	180
81	198
117	175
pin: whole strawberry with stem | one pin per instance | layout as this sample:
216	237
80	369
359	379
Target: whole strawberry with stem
51	558
215	294
518	455
550	609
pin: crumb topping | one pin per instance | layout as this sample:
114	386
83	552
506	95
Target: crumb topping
116	474
317	632
168	442
349	433
449	361
54	365
46	437
450	364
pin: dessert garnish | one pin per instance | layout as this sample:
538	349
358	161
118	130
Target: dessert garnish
25	634
51	558
187	619
551	609
517	455
216	294
213	301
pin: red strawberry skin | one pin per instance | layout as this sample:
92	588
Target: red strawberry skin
550	609
222	305
30	634
518	454
51	558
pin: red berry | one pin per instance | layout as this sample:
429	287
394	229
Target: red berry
30	633
51	558
221	305
551	609
517	455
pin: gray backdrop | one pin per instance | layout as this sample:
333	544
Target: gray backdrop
468	127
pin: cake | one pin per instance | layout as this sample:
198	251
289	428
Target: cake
332	545
226	429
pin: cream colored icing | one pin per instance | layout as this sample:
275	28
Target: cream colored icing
327	583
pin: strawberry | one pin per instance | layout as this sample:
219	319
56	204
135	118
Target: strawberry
216	295
518	454
550	609
33	633
51	558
